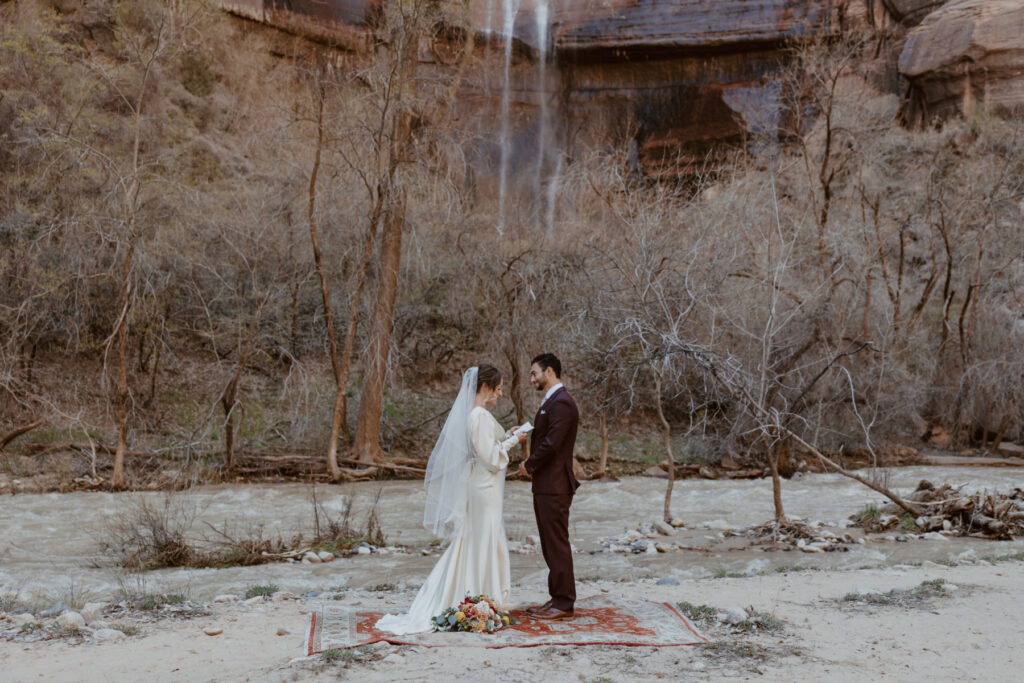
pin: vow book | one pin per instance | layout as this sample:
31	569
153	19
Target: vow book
526	427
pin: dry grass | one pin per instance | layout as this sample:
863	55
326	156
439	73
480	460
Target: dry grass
162	532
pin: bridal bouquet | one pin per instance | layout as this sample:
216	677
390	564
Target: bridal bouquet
475	614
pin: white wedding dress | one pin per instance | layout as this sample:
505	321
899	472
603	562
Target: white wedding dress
476	562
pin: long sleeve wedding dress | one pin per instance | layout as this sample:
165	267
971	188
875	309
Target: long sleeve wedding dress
476	562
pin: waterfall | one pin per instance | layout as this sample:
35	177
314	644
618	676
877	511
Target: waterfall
541	17
511	8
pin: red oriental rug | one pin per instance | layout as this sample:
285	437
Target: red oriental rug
600	620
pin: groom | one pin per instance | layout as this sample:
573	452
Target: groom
550	468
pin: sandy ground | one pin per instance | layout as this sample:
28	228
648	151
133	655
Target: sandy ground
48	552
971	633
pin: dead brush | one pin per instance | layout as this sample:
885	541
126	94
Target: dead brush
152	535
157	534
339	534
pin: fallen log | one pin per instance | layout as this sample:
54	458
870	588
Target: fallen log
18	431
47	448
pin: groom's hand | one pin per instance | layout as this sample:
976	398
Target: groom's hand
522	469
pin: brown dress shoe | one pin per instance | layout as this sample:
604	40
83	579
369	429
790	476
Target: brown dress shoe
538	608
553	614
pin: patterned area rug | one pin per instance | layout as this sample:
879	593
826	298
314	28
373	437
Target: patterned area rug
600	620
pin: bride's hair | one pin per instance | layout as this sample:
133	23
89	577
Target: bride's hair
489	375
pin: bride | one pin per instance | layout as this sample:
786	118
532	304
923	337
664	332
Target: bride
465	484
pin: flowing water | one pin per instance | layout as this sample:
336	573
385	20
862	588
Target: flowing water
511	8
540	15
49	542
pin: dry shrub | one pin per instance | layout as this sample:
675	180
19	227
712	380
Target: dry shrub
154	534
338	533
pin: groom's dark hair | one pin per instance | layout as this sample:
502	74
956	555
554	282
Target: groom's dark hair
549	360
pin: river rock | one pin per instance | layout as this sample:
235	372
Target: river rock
733	616
361	550
104	634
311	557
71	620
664	528
93	611
967	557
55	611
226	597
325	556
281	596
213	630
965	53
668	581
283	632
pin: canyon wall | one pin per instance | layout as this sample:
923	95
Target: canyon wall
676	80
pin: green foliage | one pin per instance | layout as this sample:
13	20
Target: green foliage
869	513
723	573
263	590
197	74
127	629
697	612
907	523
335	655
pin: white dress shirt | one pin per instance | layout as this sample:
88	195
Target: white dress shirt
549	392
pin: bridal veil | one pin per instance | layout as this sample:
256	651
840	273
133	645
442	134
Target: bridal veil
448	468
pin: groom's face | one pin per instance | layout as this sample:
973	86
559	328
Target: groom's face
539	378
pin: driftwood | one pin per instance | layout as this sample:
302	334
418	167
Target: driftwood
45	448
256	461
946	509
18	431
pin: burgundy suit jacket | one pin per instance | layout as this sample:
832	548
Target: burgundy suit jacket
551	445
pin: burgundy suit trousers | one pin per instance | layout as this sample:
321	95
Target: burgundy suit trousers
552	511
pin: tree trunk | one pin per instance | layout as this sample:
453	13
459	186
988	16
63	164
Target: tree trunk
602	467
670	462
227	397
773	466
371	402
392	207
339	420
325	294
117	479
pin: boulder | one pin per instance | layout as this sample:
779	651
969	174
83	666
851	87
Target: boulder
966	53
105	634
71	620
55	611
92	611
911	12
664	528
